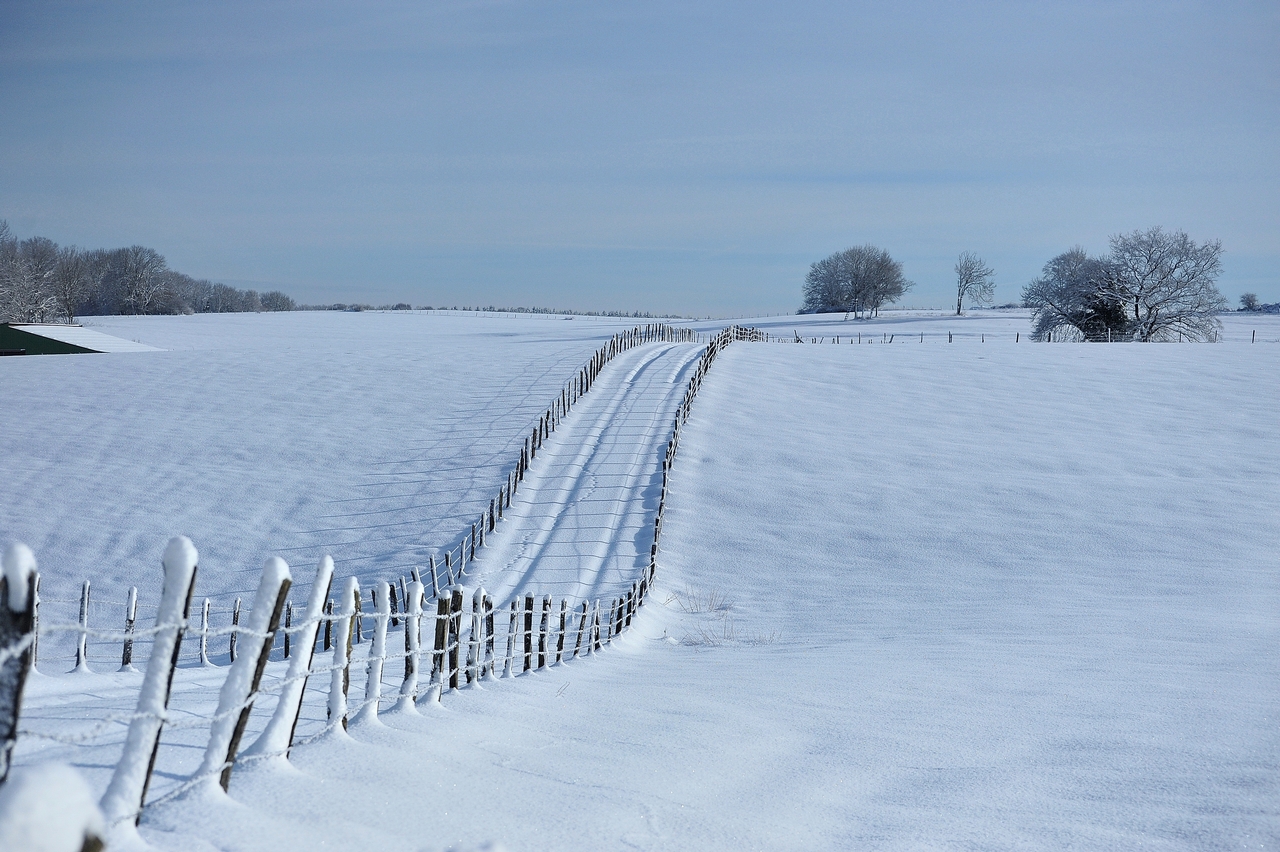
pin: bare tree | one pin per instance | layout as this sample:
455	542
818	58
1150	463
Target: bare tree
857	280
973	281
1166	283
1065	300
71	280
1249	302
144	285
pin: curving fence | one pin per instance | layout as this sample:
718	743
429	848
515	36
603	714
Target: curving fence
437	635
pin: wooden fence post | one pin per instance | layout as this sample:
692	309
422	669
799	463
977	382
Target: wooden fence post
357	622
488	636
564	611
543	625
235	623
204	634
455	634
17	640
328	626
288	625
475	640
412	649
82	646
511	642
128	787
528	631
368	713
277	737
340	679
235	700
130	615
439	657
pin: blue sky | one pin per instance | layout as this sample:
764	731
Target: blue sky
692	157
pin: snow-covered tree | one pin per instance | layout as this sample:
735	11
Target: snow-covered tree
1065	300
1166	283
859	279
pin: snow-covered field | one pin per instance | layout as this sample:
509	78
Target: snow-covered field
973	595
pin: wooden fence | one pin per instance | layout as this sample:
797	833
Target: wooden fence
442	636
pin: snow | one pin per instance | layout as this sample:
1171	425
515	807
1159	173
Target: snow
85	338
19	565
47	808
973	595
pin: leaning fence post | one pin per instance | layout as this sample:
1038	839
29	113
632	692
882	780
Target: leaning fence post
17	641
582	627
341	674
235	699
82	646
130	614
377	654
128	788
277	737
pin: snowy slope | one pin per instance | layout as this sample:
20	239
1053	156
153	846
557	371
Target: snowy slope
972	596
369	436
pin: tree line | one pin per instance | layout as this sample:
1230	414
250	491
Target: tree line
41	281
1152	285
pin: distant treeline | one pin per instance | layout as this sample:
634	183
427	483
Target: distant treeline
41	281
405	306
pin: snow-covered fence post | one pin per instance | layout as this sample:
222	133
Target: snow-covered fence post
511	641
358	620
82	646
35	620
204	633
395	621
487	606
377	654
543	626
528	631
277	737
235	699
130	615
328	626
440	654
564	612
435	583
340	677
412	648
582	628
475	645
235	624
17	639
455	635
288	626
128	788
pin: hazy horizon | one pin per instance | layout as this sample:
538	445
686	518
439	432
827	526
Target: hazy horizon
690	158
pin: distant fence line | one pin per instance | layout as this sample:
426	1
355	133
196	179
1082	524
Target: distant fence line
467	640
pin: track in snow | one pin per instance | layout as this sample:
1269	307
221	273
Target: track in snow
581	525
